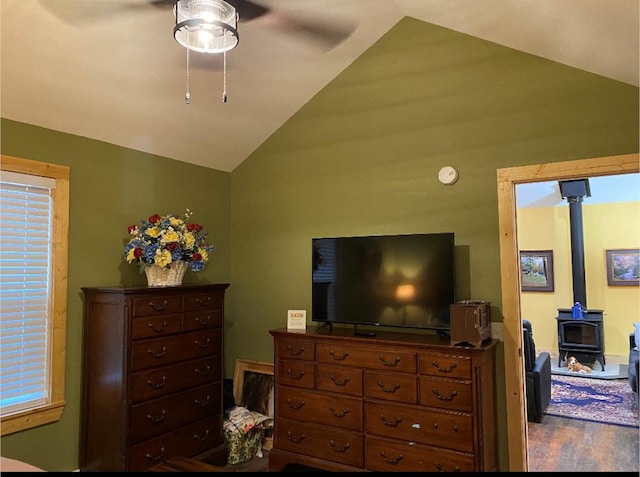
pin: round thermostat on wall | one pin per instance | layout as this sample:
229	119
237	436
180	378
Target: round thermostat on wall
448	175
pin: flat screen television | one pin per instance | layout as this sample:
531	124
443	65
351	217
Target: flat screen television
385	280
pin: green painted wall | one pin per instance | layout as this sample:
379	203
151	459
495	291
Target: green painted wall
110	188
361	157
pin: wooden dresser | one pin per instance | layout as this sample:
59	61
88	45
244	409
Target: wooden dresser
152	376
396	402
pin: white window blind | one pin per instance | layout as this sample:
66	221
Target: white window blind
25	273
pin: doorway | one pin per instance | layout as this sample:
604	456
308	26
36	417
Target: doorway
508	179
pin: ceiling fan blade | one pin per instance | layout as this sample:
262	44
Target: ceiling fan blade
77	12
248	10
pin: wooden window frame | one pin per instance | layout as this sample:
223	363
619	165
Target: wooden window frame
52	410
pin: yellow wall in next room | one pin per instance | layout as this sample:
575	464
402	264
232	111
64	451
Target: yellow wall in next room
606	226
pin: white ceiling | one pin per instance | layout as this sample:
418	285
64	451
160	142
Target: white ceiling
112	71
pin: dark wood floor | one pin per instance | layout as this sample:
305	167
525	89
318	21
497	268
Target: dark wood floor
559	444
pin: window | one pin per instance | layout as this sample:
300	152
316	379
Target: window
34	217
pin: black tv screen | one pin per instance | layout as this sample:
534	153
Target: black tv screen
385	280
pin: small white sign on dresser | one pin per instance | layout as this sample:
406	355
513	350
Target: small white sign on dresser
297	320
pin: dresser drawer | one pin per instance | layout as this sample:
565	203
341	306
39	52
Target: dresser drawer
201	320
392	386
162	351
320	441
160	381
340	379
331	410
296	373
446	393
157	305
445	365
416	424
204	301
154	326
344	354
295	349
187	441
392	456
155	417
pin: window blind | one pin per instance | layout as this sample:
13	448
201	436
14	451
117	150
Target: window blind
25	271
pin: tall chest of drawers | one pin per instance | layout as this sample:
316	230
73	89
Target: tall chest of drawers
152	376
396	402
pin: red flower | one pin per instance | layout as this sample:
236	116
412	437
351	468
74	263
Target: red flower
154	218
194	227
196	257
138	252
171	246
131	228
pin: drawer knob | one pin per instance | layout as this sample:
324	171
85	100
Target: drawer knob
295	351
337	357
390	423
203	321
203	373
203	345
452	366
295	439
159	354
160	418
438	467
158	330
202	438
204	403
296	406
157	385
343	382
203	303
442	397
295	376
156	458
342	449
392	389
391	461
156	307
338	413
395	361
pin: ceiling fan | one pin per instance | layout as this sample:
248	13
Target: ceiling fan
325	32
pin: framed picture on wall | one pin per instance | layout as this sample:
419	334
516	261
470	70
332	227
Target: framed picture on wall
623	267
536	270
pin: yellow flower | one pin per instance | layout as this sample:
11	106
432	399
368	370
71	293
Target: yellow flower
189	240
153	232
162	258
131	255
170	236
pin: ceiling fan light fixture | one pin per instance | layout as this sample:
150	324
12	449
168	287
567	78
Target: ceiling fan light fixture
206	26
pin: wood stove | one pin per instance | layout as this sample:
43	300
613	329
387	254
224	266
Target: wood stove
580	337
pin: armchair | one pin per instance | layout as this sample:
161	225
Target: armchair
537	376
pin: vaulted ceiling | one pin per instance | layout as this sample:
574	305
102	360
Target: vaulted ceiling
111	70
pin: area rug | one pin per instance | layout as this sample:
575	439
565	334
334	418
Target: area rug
611	371
606	401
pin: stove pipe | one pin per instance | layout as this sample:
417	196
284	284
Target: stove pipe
574	191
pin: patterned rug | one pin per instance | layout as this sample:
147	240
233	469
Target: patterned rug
607	401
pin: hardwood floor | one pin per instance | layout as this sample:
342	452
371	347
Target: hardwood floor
559	444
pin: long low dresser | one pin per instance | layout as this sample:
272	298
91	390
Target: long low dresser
395	402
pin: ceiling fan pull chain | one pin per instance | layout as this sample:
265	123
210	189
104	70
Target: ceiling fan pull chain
224	74
187	95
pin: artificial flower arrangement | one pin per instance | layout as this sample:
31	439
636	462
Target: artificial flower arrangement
163	240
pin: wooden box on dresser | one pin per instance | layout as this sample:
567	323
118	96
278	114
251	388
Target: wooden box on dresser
152	376
395	402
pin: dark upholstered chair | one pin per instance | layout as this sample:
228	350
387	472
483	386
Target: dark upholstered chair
634	363
537	375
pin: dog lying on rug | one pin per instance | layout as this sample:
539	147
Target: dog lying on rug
574	365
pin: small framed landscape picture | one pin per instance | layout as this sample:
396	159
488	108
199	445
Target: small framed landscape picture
536	270
623	267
